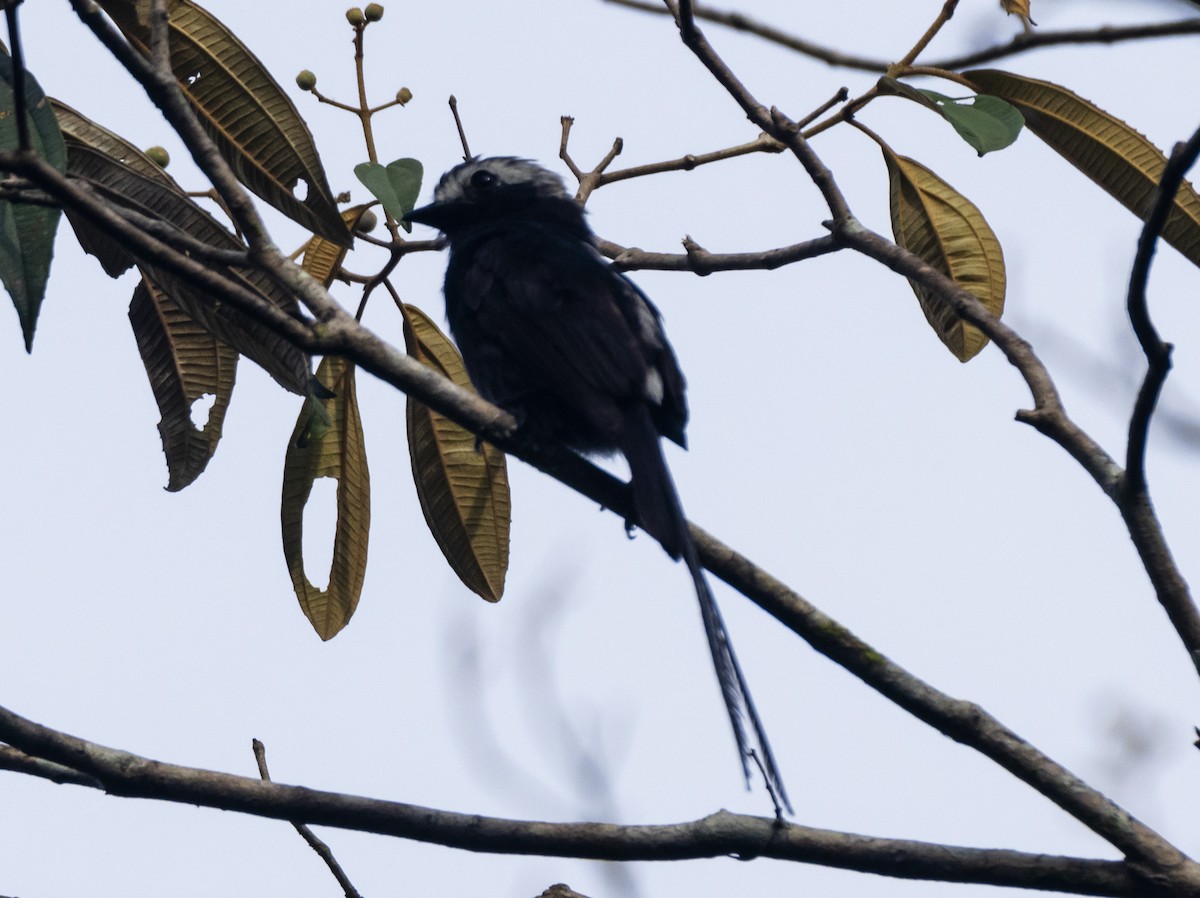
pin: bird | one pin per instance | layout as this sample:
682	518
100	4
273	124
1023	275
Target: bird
550	332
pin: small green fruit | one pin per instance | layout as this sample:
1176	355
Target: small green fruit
367	222
159	156
306	80
355	16
403	95
373	12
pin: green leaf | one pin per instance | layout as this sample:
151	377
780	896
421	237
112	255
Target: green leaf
1106	149
251	119
462	485
335	448
934	221
987	123
396	186
27	231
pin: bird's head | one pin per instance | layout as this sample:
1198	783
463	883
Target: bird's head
484	190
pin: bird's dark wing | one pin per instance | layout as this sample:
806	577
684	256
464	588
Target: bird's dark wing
560	324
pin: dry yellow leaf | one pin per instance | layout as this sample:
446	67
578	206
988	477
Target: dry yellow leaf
1018	7
328	442
463	487
934	221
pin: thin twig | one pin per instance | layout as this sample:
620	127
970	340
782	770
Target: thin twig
944	15
764	143
321	848
700	261
18	63
462	135
772	121
590	180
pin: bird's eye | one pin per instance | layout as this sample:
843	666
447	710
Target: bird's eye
484	180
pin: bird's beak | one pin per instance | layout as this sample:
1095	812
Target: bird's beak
436	215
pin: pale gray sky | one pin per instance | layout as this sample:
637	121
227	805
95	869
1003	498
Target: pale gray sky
833	440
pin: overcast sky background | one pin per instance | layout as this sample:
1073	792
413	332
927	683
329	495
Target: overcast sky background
833	440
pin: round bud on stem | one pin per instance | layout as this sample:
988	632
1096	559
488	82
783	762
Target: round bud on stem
367	222
403	95
373	12
355	16
159	156
306	80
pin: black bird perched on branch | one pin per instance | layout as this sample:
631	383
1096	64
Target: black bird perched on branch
576	353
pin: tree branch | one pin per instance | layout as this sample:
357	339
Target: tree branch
1133	497
771	121
1105	34
720	834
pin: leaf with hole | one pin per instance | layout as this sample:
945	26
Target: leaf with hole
184	363
396	185
935	222
1119	159
463	489
251	119
26	230
335	449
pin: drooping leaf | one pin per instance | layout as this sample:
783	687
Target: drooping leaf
126	177
934	221
322	257
27	231
1018	7
987	123
184	363
1118	158
246	112
463	490
334	449
396	185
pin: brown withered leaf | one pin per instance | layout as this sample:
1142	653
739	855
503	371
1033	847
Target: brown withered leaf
251	119
328	442
934	221
463	489
126	177
1019	8
1115	156
184	363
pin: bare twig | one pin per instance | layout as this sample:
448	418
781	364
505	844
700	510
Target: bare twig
764	143
1134	499
462	135
772	121
18	62
720	834
1105	34
944	15
700	261
320	847
590	180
